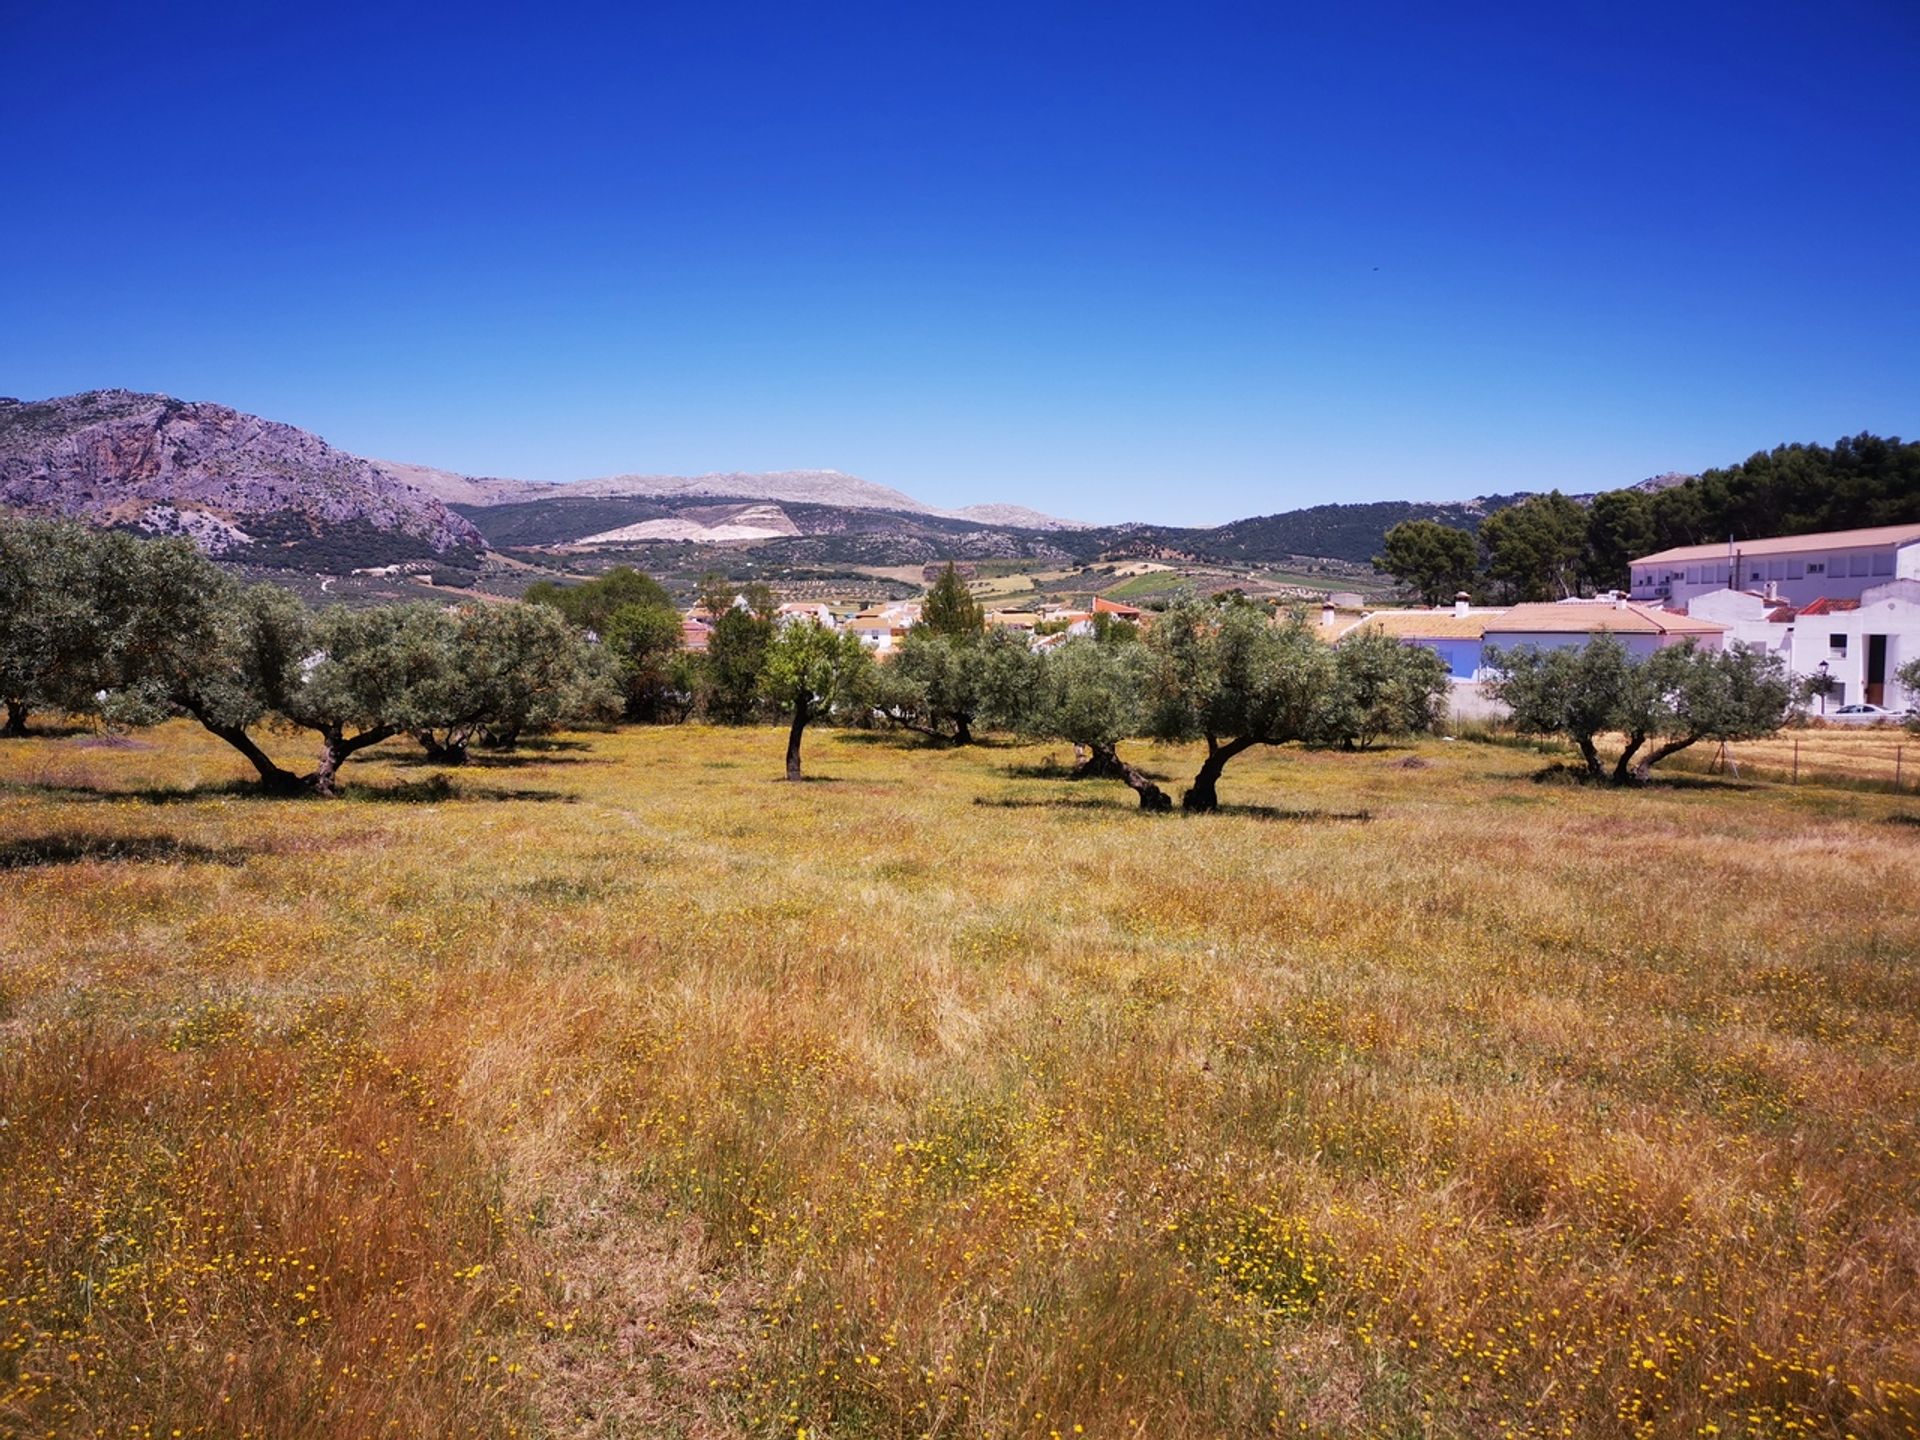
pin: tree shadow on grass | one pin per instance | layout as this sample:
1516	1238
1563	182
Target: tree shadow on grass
64	731
483	760
42	851
1907	820
1563	773
914	740
1021	802
1051	769
1122	805
1298	817
433	790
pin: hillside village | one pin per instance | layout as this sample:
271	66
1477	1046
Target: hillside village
1841	609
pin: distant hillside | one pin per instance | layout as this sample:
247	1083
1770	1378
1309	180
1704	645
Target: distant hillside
806	487
1334	532
242	487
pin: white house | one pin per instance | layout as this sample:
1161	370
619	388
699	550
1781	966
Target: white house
1799	569
1858	642
1563	624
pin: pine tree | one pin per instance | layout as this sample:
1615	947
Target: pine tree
950	608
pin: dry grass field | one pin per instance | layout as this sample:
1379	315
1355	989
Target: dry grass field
621	1090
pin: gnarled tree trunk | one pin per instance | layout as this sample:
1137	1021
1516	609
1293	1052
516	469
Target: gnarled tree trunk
451	751
16	727
802	712
336	749
1103	762
272	777
1203	795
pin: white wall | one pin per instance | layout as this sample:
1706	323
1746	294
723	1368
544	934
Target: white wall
1638	646
1800	578
1892	610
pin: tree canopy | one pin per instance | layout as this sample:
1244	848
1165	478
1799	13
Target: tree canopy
1434	561
950	608
813	672
591	604
1661	704
1231	677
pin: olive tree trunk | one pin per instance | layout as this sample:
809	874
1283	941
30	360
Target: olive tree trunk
802	713
1203	795
1104	763
336	749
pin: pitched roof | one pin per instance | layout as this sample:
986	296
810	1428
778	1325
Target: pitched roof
1788	544
1104	606
1428	624
1556	618
1825	606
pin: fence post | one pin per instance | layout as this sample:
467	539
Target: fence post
1899	752
1796	759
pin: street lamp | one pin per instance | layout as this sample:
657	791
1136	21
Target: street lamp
1826	684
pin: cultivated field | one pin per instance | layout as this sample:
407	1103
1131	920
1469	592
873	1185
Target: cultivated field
620	1090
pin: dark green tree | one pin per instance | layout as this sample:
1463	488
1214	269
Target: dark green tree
509	671
1432	560
643	642
49	633
1093	693
592	604
950	608
1534	549
736	651
937	684
1620	527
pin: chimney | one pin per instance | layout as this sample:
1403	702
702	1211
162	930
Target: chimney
1619	601
1327	615
1462	602
1773	592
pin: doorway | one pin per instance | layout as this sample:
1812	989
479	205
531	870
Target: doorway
1876	688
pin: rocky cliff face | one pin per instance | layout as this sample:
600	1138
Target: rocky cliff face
237	484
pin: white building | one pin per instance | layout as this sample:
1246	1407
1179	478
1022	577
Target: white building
1858	642
1799	569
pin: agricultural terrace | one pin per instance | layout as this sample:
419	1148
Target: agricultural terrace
618	1089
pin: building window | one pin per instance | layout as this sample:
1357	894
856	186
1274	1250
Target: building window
1816	567
1857	564
1883	563
1795	569
1837	643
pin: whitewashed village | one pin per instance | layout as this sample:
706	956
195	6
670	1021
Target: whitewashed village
1840	609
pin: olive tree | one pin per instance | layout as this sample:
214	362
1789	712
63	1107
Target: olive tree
49	634
1229	675
1380	687
1660	705
508	671
938	684
1093	693
813	671
1909	677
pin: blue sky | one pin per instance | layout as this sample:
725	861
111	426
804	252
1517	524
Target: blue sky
1178	263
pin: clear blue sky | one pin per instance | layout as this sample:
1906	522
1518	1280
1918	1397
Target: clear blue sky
1180	262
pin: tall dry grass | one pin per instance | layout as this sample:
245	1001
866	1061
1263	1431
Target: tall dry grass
623	1090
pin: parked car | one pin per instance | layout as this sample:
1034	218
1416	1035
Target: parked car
1862	713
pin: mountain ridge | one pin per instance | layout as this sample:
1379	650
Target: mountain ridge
268	493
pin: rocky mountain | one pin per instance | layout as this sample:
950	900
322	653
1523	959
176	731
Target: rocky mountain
242	487
261	493
803	487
